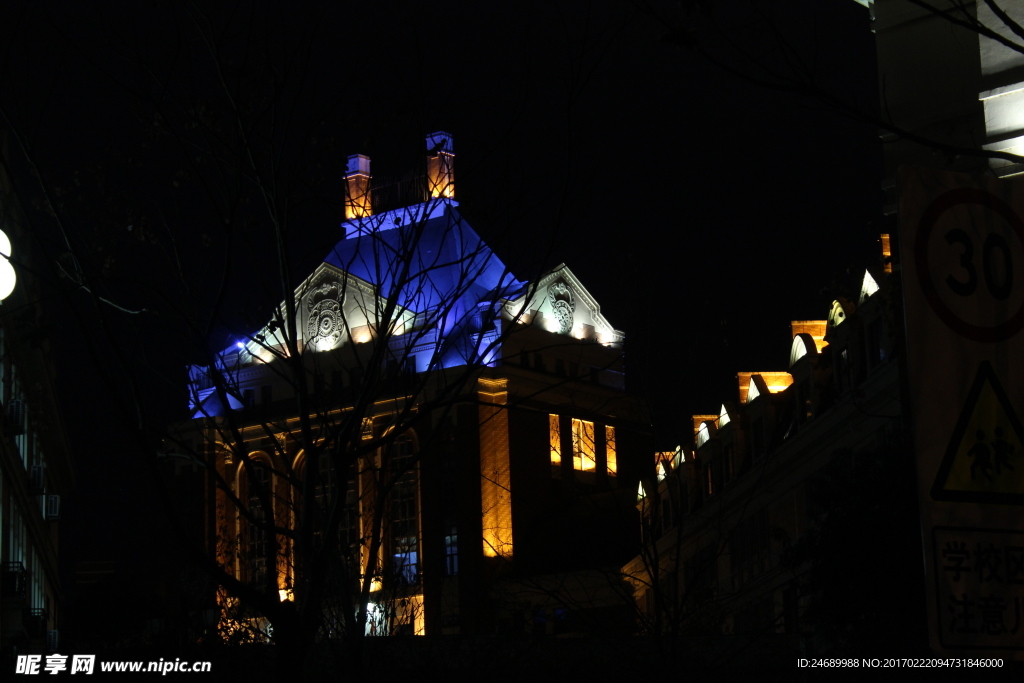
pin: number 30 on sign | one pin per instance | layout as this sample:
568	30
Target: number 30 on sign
968	256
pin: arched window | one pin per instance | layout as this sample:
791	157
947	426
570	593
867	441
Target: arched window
329	484
326	483
256	492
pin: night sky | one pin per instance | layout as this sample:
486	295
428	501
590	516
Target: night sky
704	212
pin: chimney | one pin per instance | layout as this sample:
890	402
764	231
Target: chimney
440	166
357	188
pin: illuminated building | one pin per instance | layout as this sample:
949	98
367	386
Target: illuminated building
949	86
35	465
461	386
719	514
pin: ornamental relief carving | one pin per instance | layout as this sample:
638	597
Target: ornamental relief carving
325	323
563	304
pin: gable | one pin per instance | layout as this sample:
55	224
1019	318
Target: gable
561	304
334	307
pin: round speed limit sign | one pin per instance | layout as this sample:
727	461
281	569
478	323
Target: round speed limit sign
969	258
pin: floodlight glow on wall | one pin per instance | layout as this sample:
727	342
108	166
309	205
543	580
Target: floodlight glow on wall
7	275
440	165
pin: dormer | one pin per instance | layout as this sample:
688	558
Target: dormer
754	384
755	390
803	364
725	415
704	432
840	311
868	287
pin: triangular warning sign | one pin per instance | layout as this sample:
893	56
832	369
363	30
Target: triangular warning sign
984	462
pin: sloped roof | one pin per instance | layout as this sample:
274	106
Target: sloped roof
427	256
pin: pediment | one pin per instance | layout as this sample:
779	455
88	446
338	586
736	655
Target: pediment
332	308
561	304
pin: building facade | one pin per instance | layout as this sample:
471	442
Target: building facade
737	526
420	437
35	463
951	84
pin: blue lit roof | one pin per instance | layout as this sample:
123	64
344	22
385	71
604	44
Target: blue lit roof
428	260
430	246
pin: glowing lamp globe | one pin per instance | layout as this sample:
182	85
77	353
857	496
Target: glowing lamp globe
7	276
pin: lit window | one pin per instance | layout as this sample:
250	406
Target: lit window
555	436
609	440
583	446
406	567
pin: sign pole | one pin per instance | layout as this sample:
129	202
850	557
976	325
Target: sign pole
962	255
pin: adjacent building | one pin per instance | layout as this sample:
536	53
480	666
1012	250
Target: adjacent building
727	518
951	84
35	463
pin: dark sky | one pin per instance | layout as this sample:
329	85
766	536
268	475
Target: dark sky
704	212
